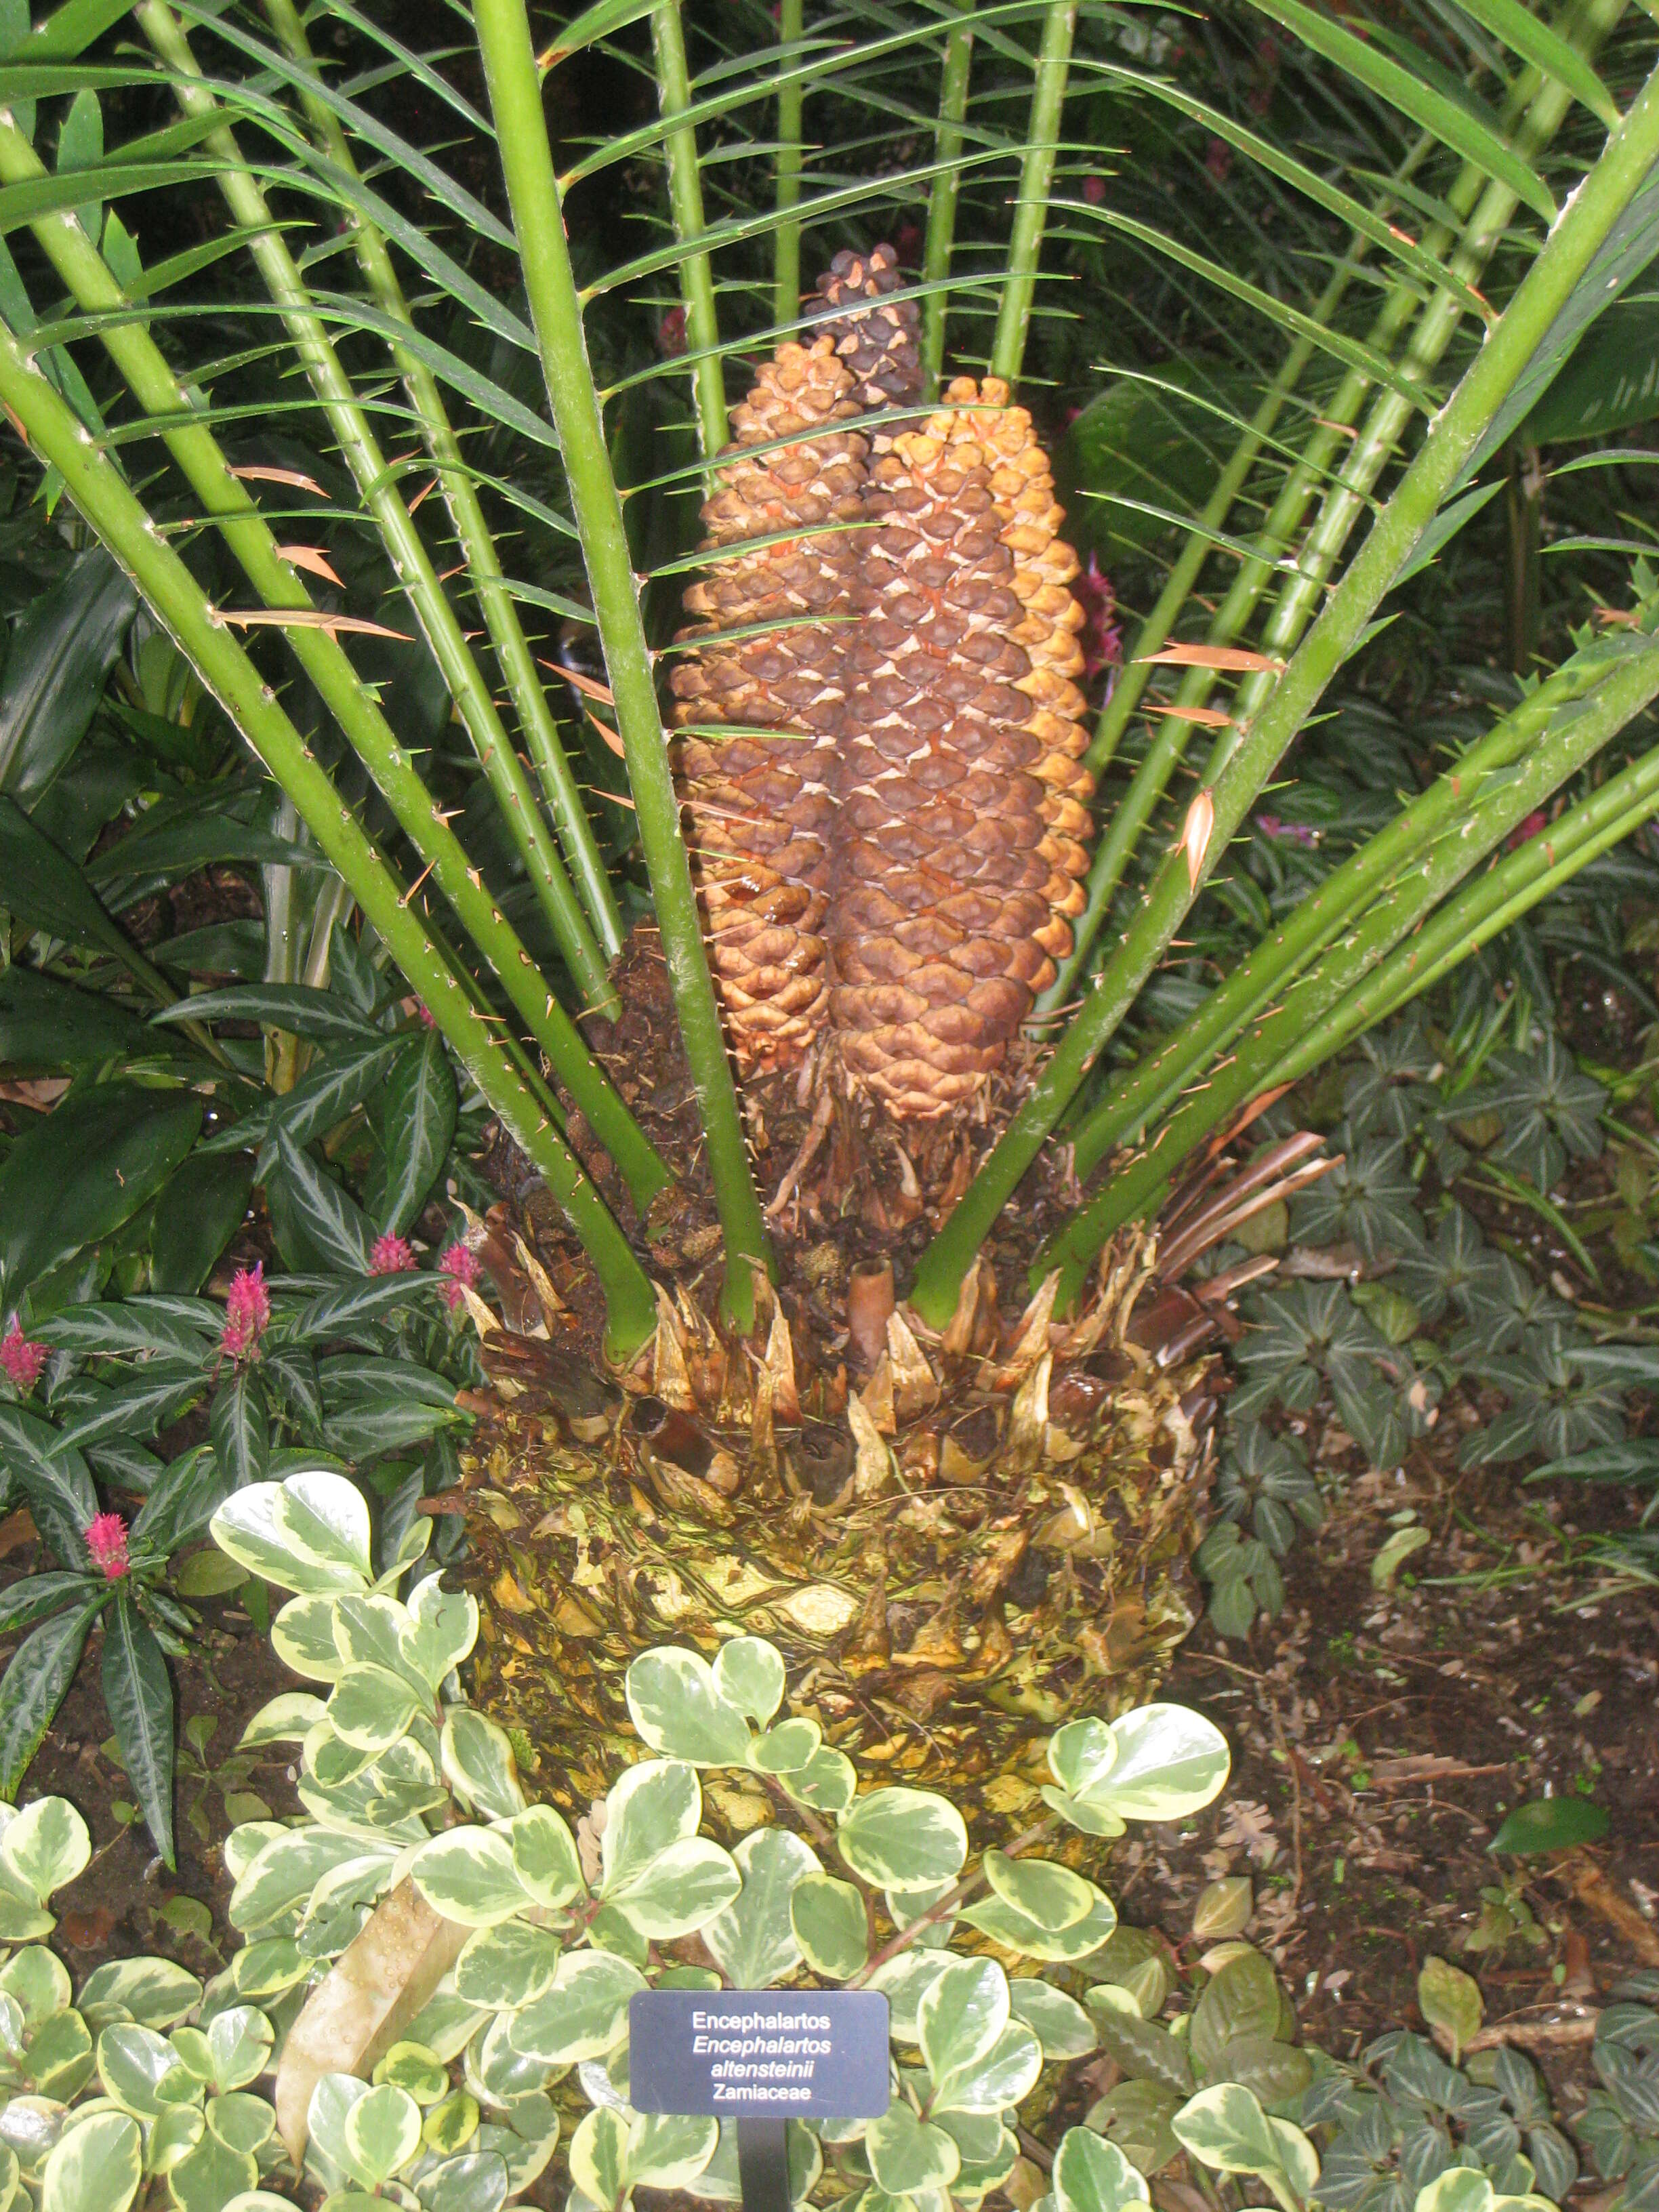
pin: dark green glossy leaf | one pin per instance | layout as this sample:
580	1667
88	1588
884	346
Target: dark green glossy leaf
138	1693
200	1211
45	1023
62	651
182	1501
240	1427
54	1478
319	1015
204	838
35	1596
1551	1824
44	888
379	1405
83	1169
353	1304
328	1218
323	1098
416	1129
156	1392
36	1683
1611	383
223	948
135	1325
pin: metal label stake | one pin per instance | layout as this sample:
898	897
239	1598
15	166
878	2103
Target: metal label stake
763	2165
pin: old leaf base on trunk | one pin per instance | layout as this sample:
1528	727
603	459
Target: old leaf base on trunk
987	1539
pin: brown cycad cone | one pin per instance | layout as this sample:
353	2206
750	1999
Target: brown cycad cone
878	338
958	856
760	806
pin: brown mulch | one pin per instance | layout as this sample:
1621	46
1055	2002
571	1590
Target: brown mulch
1381	1736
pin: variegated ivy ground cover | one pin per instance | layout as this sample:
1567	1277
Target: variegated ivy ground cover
437	1972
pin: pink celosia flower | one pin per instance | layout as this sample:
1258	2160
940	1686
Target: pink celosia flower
462	1268
107	1541
247	1311
1103	641
391	1256
21	1360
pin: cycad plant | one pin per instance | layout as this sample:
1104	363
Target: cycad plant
450	409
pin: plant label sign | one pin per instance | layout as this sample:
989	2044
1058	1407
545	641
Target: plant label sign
759	2054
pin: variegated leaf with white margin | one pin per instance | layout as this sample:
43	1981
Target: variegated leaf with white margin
1092	2175
445	1628
303	1638
382	2133
45	1846
676	1704
1225	2127
506	1967
749	1674
789	1748
479	1761
371	1707
753	1939
679	1892
467	1875
831	1925
614	2151
277	1883
584	2014
908	2153
545	1856
1171	1761
1059	2023
904	1981
288	1719
995	1918
656	1803
1049	1893
314	1543
96	2165
902	1839
962	2015
827	1784
1007	2072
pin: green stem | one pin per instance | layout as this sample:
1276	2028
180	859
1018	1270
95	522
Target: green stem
948	136
1391	414
1486	908
1533	112
147	374
792	101
1595	696
103	497
504	42
411	561
1577	236
1037	174
1132	1100
702	332
1154	631
474	537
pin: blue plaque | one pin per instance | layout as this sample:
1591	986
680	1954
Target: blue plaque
759	2054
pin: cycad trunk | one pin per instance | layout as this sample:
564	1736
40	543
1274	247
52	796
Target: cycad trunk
991	1537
